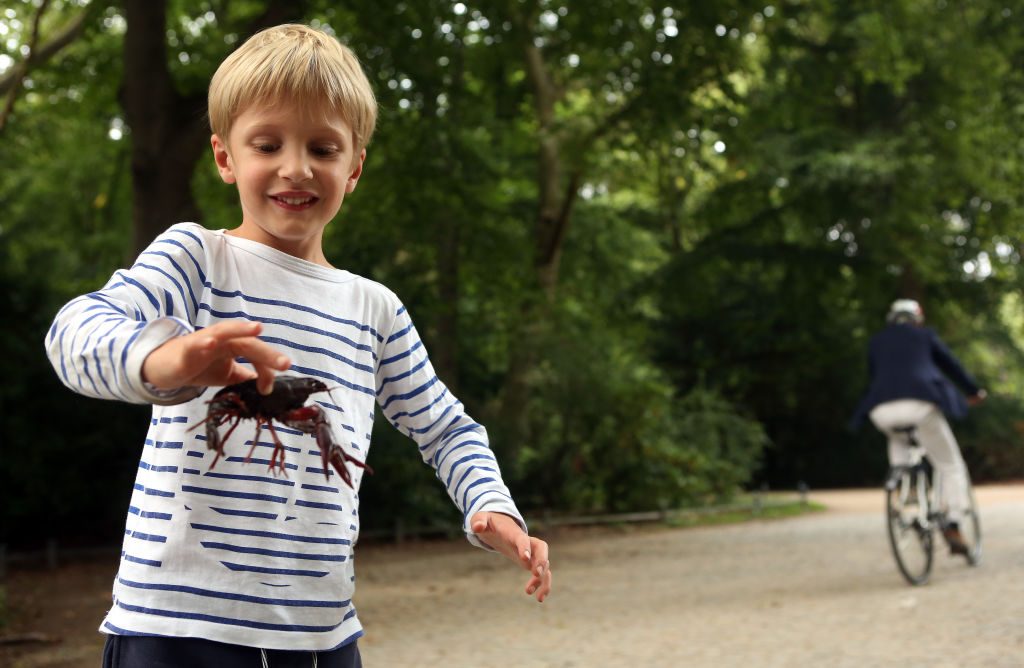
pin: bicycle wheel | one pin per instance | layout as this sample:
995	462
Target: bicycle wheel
910	535
970	529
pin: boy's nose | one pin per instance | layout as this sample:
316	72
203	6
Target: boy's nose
296	167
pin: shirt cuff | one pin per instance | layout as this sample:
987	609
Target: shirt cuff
500	505
152	336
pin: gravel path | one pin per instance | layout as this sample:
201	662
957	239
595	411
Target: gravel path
821	589
817	590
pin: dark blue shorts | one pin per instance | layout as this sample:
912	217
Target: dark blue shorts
160	652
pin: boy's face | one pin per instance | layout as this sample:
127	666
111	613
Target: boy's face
293	171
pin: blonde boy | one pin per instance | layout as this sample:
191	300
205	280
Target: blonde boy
233	565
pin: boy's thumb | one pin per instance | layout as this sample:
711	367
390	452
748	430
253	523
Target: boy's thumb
479	525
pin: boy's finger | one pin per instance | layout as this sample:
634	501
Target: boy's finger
523	550
265	379
239	374
539	587
545	588
540	555
232	329
260	354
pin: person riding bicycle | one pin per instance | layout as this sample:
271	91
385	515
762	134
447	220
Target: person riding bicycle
912	377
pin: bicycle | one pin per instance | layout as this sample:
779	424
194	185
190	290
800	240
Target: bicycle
912	515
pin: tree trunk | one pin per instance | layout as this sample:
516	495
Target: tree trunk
169	131
557	194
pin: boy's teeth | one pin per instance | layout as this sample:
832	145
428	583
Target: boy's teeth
295	200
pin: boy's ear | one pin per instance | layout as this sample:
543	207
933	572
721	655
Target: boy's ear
223	160
357	171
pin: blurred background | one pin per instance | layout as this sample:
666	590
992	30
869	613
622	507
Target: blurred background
645	243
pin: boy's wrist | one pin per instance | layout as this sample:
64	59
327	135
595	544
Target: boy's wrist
152	336
502	506
168	393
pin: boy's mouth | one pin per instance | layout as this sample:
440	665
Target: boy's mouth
294	202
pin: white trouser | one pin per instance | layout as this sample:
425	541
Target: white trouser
935	436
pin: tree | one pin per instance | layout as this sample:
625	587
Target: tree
167	118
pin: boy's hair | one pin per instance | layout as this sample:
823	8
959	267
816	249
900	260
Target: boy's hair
296	63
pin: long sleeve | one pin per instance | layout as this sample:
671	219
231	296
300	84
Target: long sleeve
950	366
416	402
98	341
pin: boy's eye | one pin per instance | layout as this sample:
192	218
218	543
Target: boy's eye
265	147
324	151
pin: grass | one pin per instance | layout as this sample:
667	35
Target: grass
737	513
743	508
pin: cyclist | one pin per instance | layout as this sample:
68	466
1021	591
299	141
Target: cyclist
911	371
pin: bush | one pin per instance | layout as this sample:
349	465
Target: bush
992	440
609	434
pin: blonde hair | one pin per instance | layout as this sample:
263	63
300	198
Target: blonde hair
294	63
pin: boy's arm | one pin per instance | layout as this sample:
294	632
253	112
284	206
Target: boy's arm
100	344
417	403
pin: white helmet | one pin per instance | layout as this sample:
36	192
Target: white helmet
905	311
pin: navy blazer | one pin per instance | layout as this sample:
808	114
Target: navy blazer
911	362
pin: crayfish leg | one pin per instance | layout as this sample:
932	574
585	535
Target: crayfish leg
276	457
214	441
255	440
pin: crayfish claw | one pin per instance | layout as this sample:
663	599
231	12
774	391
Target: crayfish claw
339	459
333	454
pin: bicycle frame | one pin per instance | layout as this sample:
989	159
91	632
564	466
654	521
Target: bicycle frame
913	514
926	517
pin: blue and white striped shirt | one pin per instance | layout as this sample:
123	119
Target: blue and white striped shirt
236	554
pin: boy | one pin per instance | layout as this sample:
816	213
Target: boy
233	565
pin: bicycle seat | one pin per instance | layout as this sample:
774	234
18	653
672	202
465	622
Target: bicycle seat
909	432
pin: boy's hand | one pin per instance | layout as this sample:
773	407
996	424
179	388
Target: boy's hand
504	534
207	358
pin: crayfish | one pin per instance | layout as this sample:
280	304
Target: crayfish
286	404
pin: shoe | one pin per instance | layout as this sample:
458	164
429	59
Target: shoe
955	540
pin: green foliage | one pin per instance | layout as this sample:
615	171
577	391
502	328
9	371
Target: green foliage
992	440
725	445
755	185
610	434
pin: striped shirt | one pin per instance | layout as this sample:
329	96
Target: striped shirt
234	553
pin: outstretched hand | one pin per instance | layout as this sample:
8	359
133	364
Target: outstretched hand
502	533
207	358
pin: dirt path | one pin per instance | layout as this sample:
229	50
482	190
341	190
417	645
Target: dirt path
816	590
820	589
